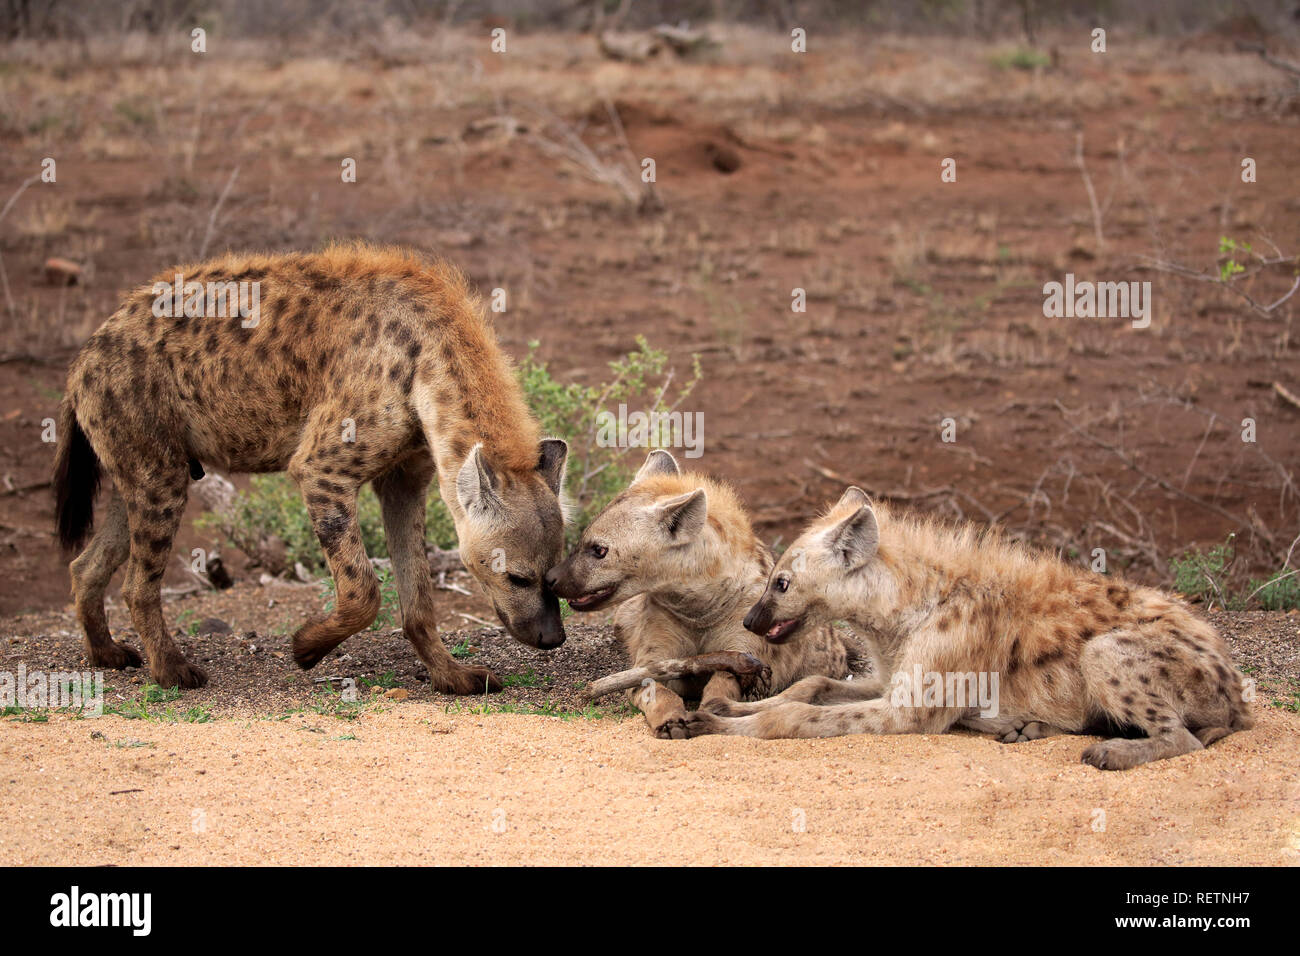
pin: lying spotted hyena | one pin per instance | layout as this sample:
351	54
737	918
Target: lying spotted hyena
360	364
1074	652
679	553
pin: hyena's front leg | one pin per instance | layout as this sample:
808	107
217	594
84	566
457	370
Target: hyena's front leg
664	710
1010	730
402	492
722	687
811	690
332	505
877	716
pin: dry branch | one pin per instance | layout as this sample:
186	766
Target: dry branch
1092	193
1286	395
748	668
1168	486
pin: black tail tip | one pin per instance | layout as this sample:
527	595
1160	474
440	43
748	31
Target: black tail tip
76	481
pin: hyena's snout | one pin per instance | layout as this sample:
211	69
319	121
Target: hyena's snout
544	629
558	579
763	620
759	618
571	579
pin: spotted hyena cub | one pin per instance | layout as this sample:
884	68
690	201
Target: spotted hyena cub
1071	651
677	552
356	364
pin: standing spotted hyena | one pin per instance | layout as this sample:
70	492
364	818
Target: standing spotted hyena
1074	652
677	550
359	364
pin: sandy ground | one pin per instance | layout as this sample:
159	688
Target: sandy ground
265	765
415	784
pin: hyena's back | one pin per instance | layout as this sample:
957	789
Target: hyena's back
344	335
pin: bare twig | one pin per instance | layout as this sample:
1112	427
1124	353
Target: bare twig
1168	486
1092	193
212	217
1283	65
745	666
22	188
1286	394
1234	286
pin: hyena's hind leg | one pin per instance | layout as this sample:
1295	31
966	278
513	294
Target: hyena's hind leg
1177	689
91	572
402	492
153	488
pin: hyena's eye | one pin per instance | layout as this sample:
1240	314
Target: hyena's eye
519	581
781	584
599	550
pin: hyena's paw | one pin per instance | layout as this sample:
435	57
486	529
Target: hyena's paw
115	656
463	680
674	728
1114	754
307	653
1033	730
178	672
752	674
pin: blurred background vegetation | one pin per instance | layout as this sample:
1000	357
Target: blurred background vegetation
268	18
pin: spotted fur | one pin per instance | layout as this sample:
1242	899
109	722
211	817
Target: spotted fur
363	364
1075	651
683	565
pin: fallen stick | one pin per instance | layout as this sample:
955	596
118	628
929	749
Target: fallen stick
1284	393
747	668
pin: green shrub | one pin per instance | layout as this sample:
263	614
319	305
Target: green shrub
596	473
1279	592
1022	58
1204	575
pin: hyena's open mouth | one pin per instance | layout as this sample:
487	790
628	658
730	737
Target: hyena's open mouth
595	599
782	631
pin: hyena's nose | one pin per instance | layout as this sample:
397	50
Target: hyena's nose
752	617
552	577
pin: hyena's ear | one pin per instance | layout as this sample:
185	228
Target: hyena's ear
683	517
855	539
854	496
476	483
658	462
553	453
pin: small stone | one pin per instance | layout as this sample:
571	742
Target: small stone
59	271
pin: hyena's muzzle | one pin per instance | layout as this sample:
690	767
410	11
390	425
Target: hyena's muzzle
543	630
582	585
763	620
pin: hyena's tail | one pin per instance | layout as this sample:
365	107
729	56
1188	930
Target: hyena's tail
76	480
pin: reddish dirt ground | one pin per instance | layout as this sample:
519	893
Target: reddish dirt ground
924	298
